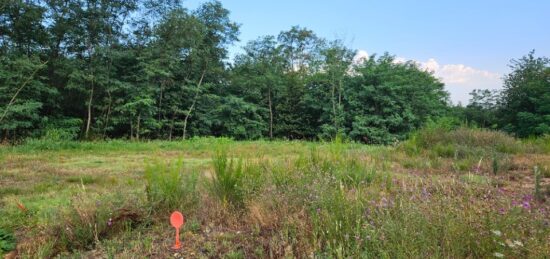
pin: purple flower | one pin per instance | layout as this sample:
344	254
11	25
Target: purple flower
526	205
502	211
425	193
110	222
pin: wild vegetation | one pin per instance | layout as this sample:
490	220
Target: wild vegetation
113	114
447	192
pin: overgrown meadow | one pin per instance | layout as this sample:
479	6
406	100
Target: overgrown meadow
444	193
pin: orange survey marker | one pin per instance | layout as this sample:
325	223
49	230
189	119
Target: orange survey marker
177	220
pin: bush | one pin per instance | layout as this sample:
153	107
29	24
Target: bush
88	221
169	187
228	179
469	141
7	241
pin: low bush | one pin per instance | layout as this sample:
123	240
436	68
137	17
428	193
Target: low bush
169	186
87	221
228	178
7	241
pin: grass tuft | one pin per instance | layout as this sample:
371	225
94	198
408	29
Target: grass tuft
170	187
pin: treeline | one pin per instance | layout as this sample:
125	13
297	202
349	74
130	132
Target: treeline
95	69
522	107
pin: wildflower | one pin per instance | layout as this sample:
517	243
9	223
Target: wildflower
499	255
526	205
425	193
22	207
110	222
518	243
502	211
510	243
497	232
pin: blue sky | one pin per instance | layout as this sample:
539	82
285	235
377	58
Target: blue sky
467	43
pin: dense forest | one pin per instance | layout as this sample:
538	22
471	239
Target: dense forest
142	69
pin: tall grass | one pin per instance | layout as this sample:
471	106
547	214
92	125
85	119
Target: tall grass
170	187
227	180
329	200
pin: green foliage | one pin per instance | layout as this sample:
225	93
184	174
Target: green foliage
169	186
521	107
387	100
525	109
295	199
87	221
227	181
7	241
155	70
22	95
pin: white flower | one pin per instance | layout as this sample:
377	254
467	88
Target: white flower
496	232
510	243
499	255
518	243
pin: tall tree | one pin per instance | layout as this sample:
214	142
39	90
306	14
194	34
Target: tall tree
326	88
388	99
301	49
526	96
258	76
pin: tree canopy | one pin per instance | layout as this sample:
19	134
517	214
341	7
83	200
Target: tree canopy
522	107
142	69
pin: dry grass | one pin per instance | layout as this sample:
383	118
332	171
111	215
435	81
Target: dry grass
300	200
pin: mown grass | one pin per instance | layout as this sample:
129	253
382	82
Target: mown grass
443	194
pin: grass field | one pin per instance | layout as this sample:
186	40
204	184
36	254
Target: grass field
462	193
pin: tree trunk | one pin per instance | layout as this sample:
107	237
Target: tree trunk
270	114
107	116
192	105
131	130
137	127
159	108
89	120
171	127
335	120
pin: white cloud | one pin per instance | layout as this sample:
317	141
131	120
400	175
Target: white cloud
458	73
360	57
461	79
430	65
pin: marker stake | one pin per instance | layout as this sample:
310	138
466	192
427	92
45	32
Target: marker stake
177	220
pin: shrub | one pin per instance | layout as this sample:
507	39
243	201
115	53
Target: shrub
169	187
7	241
462	142
227	179
88	220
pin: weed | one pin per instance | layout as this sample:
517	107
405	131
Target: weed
7	241
227	181
169	186
495	164
538	176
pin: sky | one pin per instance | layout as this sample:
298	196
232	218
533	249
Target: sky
468	44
